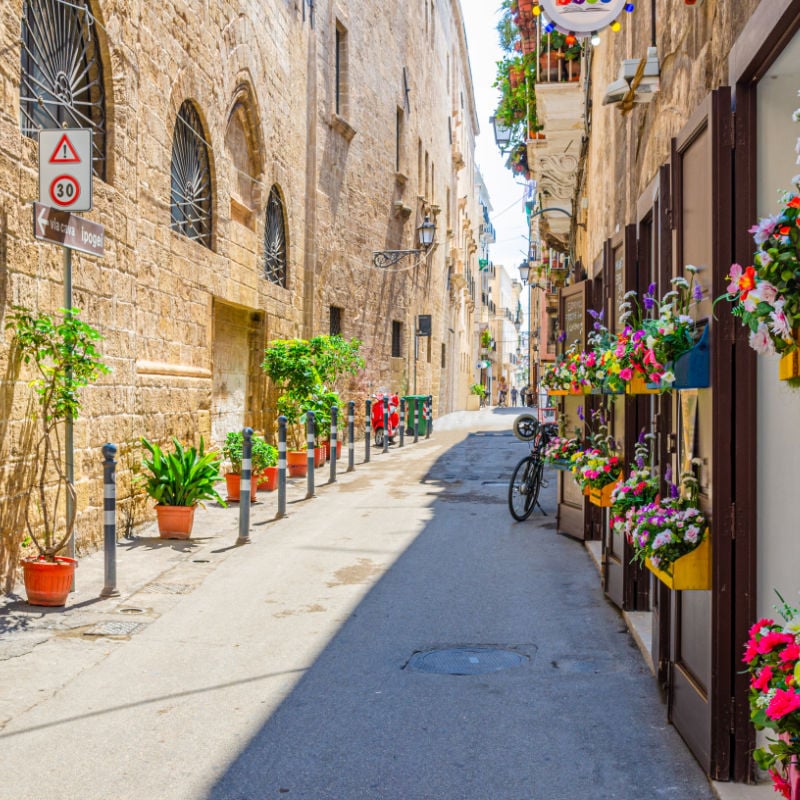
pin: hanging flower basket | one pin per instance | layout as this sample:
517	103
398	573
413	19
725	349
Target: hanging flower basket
602	497
689	572
562	465
692	369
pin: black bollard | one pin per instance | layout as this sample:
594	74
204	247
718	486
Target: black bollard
386	423
281	467
333	443
367	431
311	431
110	521
245	486
351	435
402	420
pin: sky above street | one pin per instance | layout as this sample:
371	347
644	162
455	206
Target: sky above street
508	216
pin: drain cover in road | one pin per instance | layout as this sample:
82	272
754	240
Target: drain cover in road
466	660
114	629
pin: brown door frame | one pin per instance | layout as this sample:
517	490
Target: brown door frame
714	115
766	34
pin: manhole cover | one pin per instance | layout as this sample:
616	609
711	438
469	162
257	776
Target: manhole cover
134	610
466	660
114	629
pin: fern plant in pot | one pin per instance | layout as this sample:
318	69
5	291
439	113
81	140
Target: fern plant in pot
65	359
179	481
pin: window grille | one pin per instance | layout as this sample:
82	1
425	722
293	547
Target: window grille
275	241
190	197
336	321
61	77
397	339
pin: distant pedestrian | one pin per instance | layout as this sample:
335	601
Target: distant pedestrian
513	395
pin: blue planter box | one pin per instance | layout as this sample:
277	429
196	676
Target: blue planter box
693	369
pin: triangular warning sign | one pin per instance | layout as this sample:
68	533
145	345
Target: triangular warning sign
64	152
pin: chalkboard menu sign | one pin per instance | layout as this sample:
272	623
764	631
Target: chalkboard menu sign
619	286
573	318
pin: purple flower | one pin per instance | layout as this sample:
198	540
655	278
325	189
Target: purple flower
640	462
673	491
562	336
580	414
648	302
651	289
668	473
697	293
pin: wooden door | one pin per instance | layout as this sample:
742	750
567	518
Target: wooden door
571	517
700	662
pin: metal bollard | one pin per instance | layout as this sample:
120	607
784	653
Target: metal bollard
367	431
311	430
281	467
385	424
351	435
333	443
428	415
110	521
416	420
402	420
244	486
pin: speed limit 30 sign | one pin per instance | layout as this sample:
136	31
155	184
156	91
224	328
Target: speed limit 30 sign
65	168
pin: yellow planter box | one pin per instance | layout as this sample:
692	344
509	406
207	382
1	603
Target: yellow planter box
692	571
602	497
638	385
789	366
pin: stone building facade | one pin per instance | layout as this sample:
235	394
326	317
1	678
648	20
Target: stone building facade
249	157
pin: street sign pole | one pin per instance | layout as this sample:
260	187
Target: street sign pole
69	449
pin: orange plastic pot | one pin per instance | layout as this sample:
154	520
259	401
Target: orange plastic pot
47	583
233	483
268	480
175	522
319	456
296	463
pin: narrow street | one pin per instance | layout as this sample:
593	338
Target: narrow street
290	669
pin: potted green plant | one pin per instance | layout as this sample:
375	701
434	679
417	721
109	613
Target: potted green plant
65	358
265	464
179	481
232	452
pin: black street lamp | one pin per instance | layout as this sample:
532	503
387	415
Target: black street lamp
502	133
426	234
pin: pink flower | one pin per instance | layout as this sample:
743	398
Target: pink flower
784	702
763	230
760	340
734	274
650	358
790	653
765	291
764	622
779	324
626	374
780	784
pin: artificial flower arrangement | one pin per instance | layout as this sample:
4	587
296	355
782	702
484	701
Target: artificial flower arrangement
597	465
658	331
639	489
561	448
772	655
664	531
766	294
568	372
603	366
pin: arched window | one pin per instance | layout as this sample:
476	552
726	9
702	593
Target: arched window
275	240
190	195
61	83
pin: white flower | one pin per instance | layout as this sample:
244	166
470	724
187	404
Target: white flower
779	324
665	537
668	377
765	290
692	268
692	532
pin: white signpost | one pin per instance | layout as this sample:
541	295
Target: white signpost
65	185
65	168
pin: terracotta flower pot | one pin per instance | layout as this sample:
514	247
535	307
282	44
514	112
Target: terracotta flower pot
175	522
47	583
233	482
319	456
296	463
268	480
326	446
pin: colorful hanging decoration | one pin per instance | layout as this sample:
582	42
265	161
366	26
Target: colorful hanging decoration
584	18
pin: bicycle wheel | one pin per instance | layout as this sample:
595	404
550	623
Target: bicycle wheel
523	490
525	427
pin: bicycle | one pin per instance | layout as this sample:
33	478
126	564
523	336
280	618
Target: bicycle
526	480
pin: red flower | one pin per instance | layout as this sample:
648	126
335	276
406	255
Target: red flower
790	653
780	784
785	230
764	622
784	702
794	202
747	282
771	640
762	681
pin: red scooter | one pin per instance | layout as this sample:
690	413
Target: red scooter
377	418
